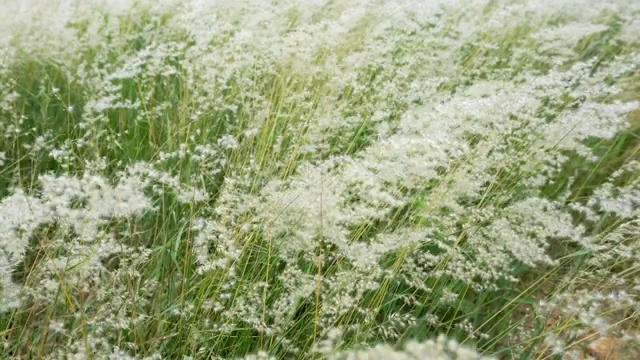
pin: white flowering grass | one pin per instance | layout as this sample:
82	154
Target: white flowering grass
316	179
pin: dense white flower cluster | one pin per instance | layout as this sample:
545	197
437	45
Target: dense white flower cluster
78	212
438	349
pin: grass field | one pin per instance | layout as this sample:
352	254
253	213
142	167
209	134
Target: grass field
311	179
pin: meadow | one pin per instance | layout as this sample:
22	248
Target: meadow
320	179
